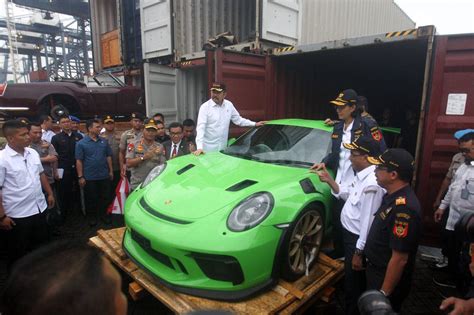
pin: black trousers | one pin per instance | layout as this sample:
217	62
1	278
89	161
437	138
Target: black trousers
65	190
28	234
375	276
337	228
354	281
97	195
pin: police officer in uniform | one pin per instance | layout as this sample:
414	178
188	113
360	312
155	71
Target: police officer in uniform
395	232
113	138
129	136
144	154
349	127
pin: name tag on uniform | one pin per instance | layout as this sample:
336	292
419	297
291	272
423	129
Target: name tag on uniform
384	214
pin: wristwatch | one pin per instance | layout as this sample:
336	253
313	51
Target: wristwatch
383	292
80	177
141	158
358	252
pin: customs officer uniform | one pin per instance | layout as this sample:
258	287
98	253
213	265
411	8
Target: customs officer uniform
396	226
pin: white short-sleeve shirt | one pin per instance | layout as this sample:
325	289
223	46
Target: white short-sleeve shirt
20	182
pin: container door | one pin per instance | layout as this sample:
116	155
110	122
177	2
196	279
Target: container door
160	91
450	108
280	21
155	18
247	79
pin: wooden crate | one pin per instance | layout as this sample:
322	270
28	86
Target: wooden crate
284	298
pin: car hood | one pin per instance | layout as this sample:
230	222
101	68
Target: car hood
193	187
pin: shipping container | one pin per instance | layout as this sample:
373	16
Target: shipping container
104	19
180	28
325	20
404	73
131	33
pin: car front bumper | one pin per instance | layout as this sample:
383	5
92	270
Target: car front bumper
202	258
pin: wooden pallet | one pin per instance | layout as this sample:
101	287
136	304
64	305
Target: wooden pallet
284	298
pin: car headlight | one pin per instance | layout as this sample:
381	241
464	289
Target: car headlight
250	212
153	174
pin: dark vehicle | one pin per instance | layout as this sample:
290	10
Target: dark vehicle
103	94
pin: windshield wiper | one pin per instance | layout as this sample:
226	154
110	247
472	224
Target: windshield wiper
287	162
236	154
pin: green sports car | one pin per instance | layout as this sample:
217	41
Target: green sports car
228	224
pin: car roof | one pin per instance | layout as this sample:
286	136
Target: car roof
308	123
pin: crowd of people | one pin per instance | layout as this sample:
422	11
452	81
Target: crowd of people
376	213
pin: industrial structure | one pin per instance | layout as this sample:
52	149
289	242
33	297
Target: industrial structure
51	41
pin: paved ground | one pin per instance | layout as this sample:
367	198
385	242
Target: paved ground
424	297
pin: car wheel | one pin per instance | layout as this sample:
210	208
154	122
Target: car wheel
302	243
58	111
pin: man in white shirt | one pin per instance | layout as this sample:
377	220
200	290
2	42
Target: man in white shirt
460	200
22	202
46	128
214	117
362	199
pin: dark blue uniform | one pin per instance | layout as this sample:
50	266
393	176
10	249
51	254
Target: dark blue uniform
363	126
396	226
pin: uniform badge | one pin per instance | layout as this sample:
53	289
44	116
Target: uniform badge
400	201
400	229
130	147
376	134
139	148
334	136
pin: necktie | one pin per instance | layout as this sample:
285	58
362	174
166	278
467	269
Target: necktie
174	151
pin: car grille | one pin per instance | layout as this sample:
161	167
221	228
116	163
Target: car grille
157	214
146	245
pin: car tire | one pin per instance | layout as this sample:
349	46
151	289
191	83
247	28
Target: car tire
303	237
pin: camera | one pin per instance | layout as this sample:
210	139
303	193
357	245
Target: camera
373	302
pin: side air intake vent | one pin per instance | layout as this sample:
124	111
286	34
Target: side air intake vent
243	184
185	169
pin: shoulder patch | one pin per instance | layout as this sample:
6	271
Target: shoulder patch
400	229
400	201
405	216
370	190
376	134
130	147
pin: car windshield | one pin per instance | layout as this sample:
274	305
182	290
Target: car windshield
280	144
106	79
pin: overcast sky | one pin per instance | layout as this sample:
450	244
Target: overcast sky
449	16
